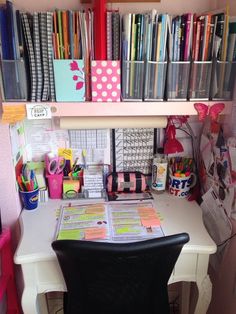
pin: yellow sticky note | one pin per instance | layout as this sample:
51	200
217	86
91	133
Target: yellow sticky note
67	153
13	113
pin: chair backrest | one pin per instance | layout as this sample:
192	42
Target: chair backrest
118	278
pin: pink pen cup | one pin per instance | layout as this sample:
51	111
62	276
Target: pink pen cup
55	183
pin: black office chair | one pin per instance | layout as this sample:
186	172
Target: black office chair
118	278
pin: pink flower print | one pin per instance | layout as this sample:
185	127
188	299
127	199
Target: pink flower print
80	79
79	85
74	66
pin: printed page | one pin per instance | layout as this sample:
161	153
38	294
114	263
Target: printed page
134	221
83	222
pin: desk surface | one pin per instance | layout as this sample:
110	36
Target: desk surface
179	215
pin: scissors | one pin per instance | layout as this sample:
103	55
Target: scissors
56	165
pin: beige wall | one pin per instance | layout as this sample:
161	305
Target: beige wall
170	6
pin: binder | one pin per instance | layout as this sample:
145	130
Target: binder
14	53
61	46
50	55
32	63
109	35
44	51
100	29
37	50
65	34
115	36
71	34
55	37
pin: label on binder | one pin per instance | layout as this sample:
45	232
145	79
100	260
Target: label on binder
37	111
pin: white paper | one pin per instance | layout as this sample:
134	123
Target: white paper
215	217
205	148
37	111
96	143
41	138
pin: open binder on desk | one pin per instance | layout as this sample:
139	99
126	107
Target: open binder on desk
123	221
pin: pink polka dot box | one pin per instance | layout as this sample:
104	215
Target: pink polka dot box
105	81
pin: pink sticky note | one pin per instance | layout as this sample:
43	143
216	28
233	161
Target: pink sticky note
150	222
95	233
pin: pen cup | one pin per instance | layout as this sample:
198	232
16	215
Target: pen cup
30	199
55	185
180	186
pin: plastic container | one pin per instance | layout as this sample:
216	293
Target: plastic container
159	171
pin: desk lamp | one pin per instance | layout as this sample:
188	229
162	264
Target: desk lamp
172	145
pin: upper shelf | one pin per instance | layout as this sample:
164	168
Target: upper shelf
165	108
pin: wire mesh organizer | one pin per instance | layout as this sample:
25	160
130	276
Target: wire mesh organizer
223	80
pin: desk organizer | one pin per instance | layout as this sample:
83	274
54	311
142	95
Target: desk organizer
69	80
14	80
105	77
86	194
71	187
155	79
177	80
200	80
223	80
132	80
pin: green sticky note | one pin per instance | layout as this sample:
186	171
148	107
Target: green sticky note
73	234
126	229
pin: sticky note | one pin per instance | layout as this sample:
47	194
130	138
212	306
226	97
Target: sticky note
95	233
67	153
150	222
13	113
149	217
95	210
72	234
71	186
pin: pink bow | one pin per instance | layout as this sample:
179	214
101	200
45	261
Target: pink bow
214	110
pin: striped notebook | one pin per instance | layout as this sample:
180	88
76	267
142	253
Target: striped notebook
52	96
30	48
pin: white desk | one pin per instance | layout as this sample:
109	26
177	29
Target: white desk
42	273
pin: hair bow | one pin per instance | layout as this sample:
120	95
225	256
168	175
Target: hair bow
204	110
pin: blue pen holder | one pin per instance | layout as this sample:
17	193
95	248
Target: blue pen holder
30	199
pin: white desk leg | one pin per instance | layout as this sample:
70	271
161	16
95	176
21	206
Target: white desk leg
33	303
185	294
204	295
29	301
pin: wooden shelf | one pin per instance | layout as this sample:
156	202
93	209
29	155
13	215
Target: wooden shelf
166	108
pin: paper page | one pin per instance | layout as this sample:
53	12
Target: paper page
41	138
96	142
205	148
215	218
133	221
121	222
134	149
17	141
83	222
232	154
